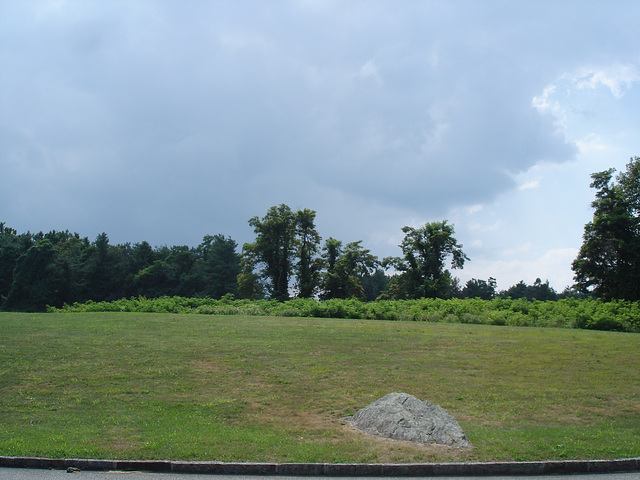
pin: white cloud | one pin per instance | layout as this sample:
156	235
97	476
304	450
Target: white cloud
591	142
551	265
474	209
617	78
370	70
530	184
542	103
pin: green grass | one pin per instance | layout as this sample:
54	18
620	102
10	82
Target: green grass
235	388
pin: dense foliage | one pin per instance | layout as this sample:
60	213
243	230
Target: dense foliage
37	270
565	313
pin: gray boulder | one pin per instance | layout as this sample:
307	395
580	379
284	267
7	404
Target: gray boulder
403	417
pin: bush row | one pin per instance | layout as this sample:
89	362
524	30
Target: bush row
566	313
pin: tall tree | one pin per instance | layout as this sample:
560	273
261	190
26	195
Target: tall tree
12	246
426	251
134	259
308	266
274	248
142	256
220	265
332	283
183	271
608	263
40	279
99	270
70	249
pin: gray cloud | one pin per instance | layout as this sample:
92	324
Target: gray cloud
164	121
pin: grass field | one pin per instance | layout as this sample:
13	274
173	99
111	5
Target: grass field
233	388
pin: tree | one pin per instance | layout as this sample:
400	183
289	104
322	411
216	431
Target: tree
39	279
608	263
142	256
99	270
538	291
542	291
426	251
484	289
153	281
345	269
308	267
183	271
220	265
375	284
286	245
12	246
331	282
274	248
249	285
70	249
519	290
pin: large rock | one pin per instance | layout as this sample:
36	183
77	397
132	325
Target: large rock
403	417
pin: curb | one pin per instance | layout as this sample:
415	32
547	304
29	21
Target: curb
558	467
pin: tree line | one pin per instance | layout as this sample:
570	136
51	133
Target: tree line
286	260
55	268
289	259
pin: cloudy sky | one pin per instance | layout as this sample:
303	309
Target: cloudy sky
169	120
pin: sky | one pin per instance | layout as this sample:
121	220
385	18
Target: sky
165	121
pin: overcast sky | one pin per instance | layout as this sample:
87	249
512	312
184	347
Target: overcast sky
169	120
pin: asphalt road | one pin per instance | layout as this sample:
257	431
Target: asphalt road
31	474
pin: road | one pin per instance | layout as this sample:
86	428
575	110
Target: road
29	474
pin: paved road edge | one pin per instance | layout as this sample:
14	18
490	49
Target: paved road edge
550	467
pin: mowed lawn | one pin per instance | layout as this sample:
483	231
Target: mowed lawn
234	388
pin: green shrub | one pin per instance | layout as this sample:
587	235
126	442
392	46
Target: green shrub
565	313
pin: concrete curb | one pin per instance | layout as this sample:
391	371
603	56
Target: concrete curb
557	467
